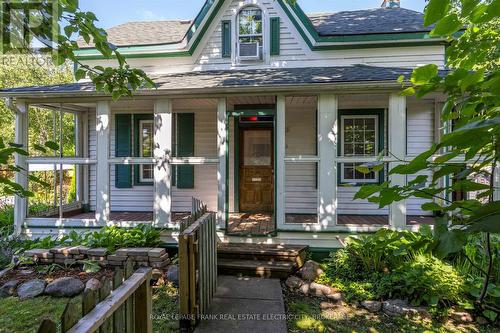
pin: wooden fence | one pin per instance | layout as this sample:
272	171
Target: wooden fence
198	208
119	306
197	269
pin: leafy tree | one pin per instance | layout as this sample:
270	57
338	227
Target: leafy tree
472	112
117	81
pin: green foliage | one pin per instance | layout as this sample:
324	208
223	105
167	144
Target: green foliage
90	266
111	238
424	280
387	248
471	112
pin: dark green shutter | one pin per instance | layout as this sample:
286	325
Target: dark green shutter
185	148
275	35
123	148
226	39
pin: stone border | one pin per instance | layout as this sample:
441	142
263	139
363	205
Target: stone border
69	255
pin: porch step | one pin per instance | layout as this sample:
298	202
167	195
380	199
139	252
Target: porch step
263	260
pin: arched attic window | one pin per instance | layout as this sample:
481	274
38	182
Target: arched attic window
250	34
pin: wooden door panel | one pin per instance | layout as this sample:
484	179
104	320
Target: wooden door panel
256	170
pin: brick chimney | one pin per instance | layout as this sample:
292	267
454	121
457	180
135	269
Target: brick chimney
390	4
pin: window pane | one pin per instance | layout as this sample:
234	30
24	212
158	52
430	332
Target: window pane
250	22
147	172
146	139
257	39
370	124
257	147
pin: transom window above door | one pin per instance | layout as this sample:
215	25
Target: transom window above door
359	138
250	34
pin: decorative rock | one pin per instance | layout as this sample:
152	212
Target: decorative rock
319	290
98	252
172	274
293	282
93	284
157	252
397	307
305	288
335	296
8	289
25	271
372	306
462	317
326	305
31	289
310	271
65	287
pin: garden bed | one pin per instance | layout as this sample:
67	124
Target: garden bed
314	314
30	273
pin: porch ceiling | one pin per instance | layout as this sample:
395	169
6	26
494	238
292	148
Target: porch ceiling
235	81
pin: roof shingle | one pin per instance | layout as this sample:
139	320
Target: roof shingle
369	21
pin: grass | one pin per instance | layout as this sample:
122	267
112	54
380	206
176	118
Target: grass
305	315
26	316
165	308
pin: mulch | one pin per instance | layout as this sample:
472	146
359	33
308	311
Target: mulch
29	273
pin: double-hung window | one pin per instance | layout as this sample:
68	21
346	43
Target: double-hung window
359	138
146	150
250	35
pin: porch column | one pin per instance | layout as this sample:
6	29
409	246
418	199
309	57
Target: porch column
163	155
397	147
103	121
496	183
327	150
280	160
222	167
21	137
79	153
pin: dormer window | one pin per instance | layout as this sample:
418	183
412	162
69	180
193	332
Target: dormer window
250	35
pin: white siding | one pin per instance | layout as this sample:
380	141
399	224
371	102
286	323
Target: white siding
140	198
420	137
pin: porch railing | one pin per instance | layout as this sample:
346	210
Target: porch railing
197	269
121	305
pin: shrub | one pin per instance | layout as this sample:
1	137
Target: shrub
388	249
424	280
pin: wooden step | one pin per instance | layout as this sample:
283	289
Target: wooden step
260	268
292	253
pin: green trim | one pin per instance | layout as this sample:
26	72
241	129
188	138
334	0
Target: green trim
226	38
275	36
136	119
377	40
247	110
123	148
381	137
185	148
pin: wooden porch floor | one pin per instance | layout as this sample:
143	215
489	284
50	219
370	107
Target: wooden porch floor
258	224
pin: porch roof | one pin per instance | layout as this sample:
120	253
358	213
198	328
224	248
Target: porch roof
217	81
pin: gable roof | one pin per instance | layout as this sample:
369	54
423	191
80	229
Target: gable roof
145	33
368	21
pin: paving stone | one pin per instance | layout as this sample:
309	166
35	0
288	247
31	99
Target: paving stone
39	254
97	252
159	259
62	256
162	264
140	258
115	257
137	251
156	252
97	258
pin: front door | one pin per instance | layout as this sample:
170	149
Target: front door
256	170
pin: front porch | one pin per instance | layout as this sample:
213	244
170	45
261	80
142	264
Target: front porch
268	164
